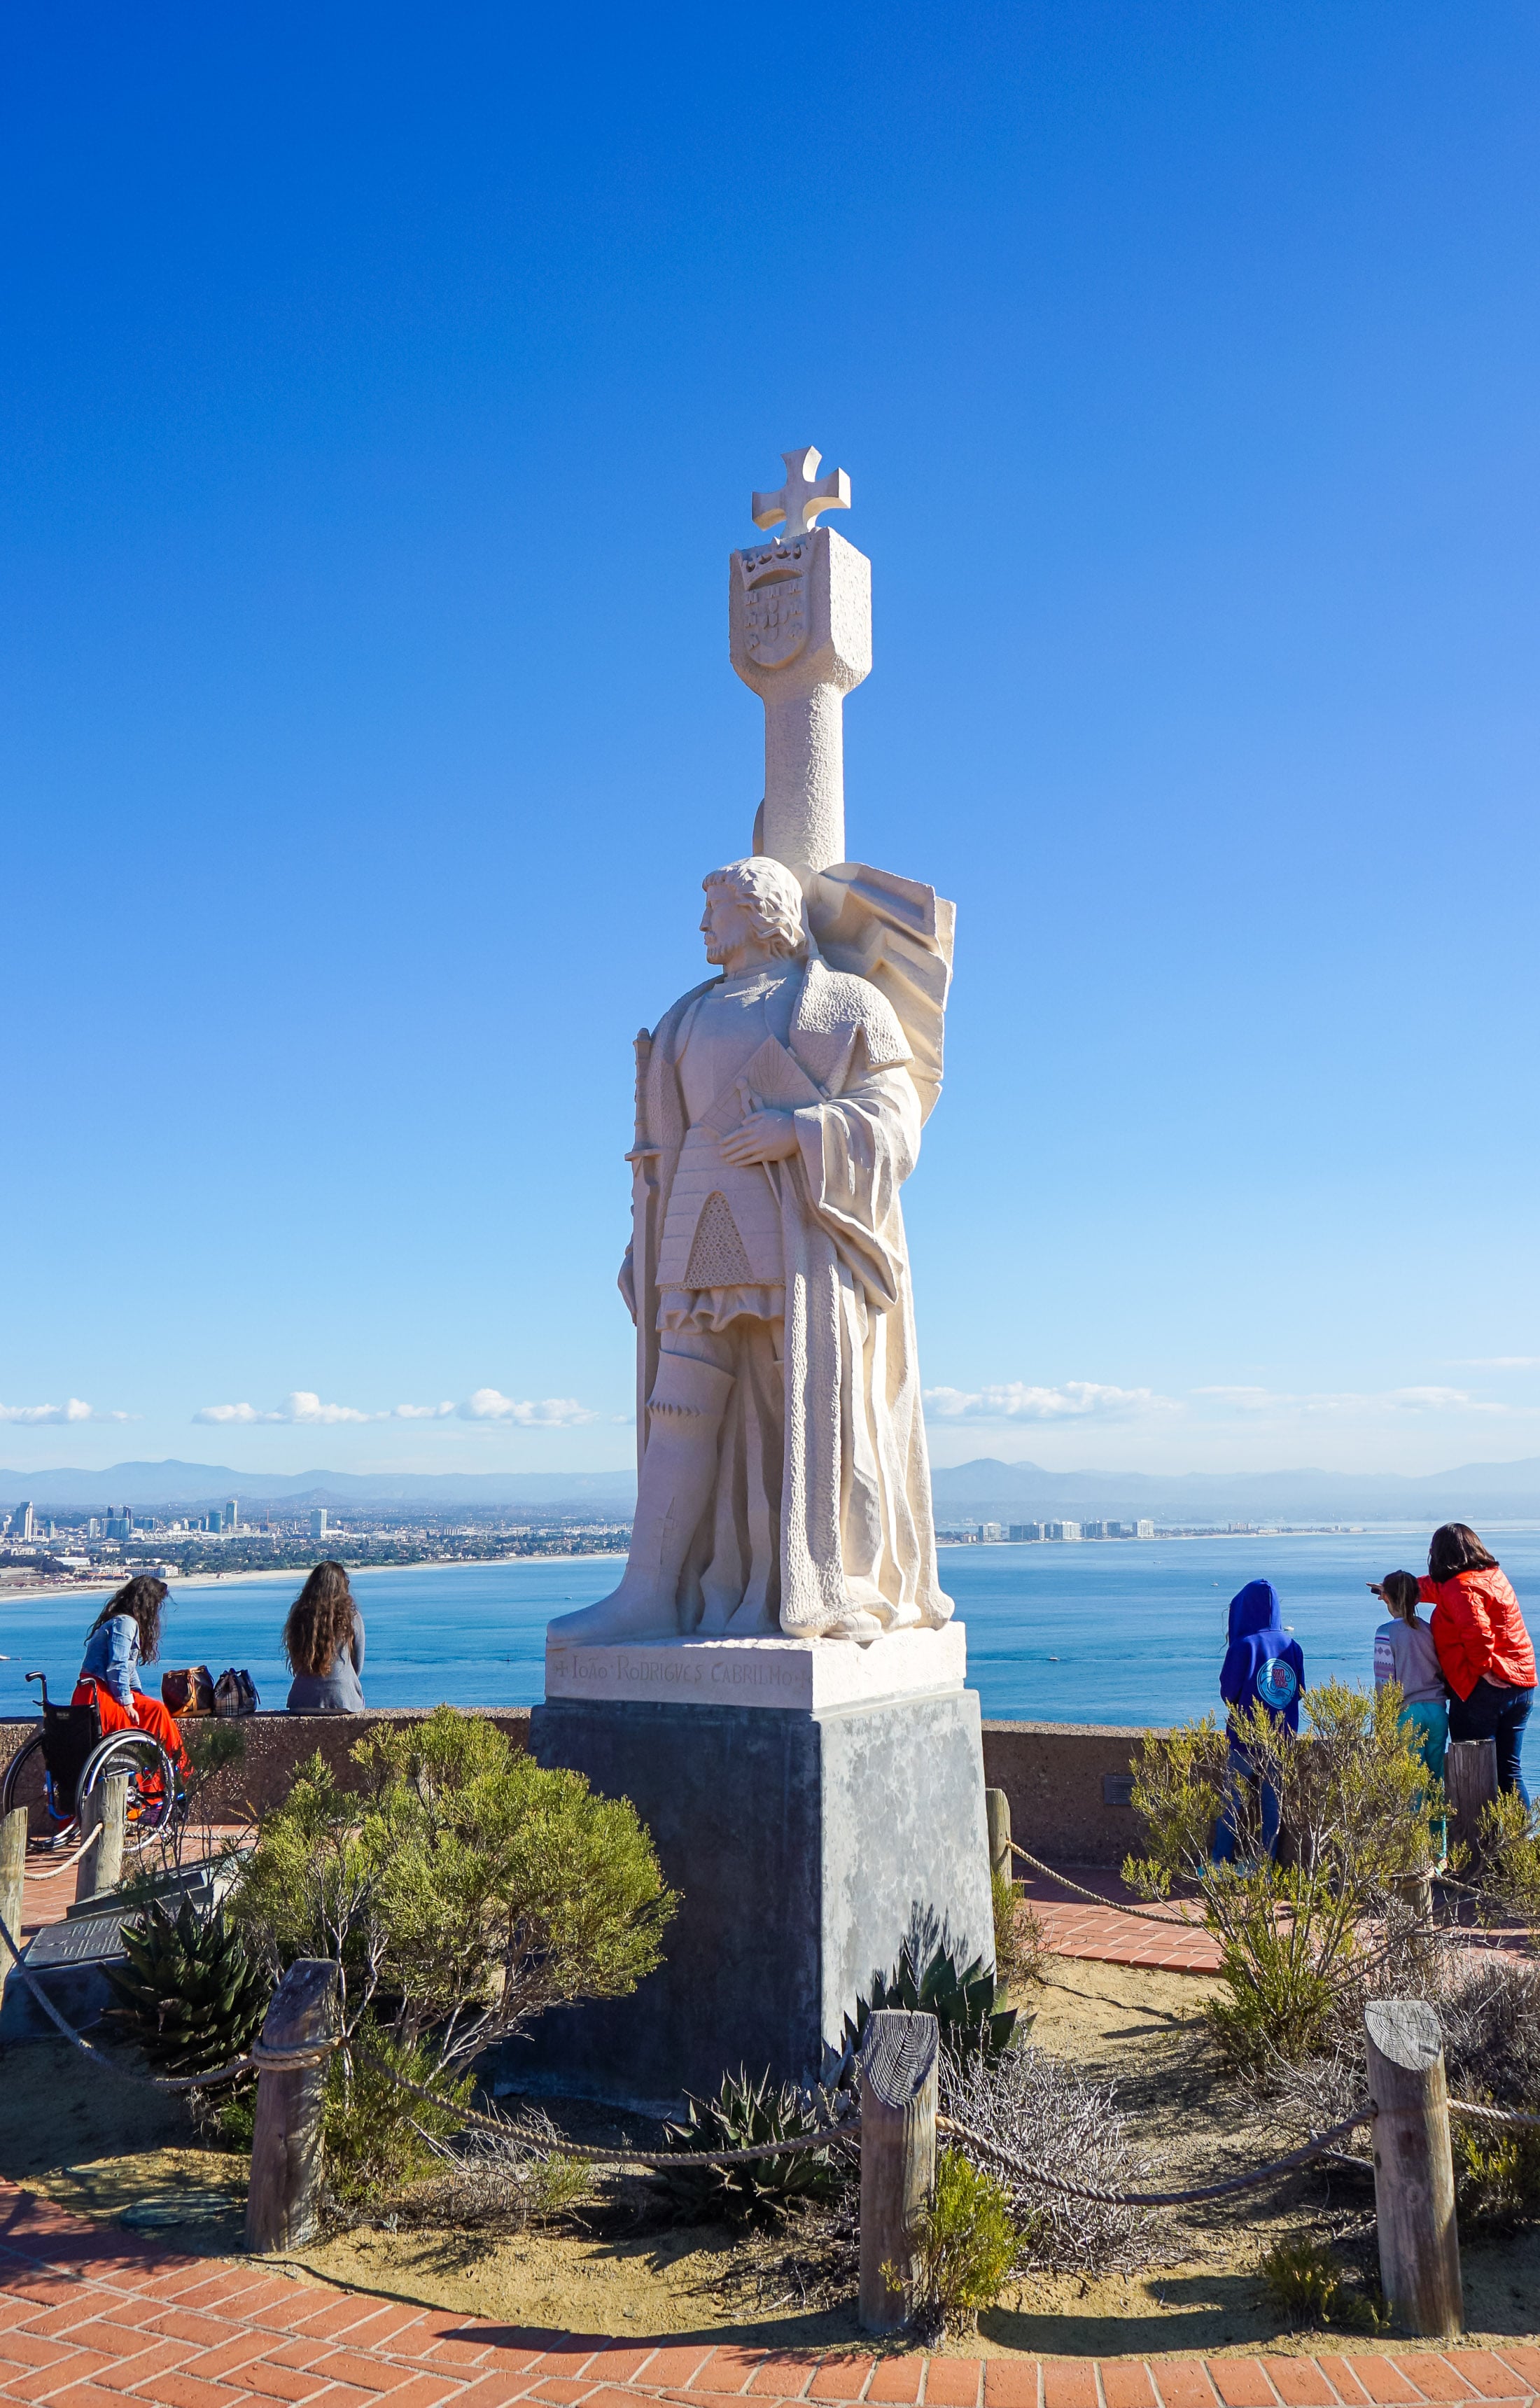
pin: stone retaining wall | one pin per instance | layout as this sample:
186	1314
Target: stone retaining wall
1067	1782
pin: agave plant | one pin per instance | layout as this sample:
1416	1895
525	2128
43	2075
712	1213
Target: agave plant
744	2116
190	1993
960	1996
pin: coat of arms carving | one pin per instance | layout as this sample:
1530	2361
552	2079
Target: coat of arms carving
775	623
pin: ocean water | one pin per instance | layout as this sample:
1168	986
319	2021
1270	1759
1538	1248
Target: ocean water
1111	1631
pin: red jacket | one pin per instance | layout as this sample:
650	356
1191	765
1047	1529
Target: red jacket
1477	1629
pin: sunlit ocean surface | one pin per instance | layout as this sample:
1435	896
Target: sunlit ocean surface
1114	1631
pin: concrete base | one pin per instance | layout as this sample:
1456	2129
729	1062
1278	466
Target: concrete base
806	1844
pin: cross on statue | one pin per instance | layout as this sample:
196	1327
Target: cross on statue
801	499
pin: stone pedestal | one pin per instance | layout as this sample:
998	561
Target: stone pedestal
813	1801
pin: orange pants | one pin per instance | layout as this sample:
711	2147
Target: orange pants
148	1713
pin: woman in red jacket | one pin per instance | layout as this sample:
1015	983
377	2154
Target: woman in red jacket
1483	1647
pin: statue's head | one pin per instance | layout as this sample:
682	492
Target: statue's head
753	907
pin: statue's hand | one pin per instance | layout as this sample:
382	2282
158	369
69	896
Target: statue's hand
765	1136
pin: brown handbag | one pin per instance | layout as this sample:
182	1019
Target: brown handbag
189	1690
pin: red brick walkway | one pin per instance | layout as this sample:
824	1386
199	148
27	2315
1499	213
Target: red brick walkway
94	2317
1072	1927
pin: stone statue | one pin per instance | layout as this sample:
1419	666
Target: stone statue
783	1485
806	1799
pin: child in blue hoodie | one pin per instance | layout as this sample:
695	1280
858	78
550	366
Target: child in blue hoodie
1263	1667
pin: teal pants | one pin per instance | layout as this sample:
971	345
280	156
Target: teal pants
1431	1725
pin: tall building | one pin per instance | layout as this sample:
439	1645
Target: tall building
1026	1530
990	1533
119	1523
1061	1529
1099	1529
232	1515
318	1523
1143	1530
24	1521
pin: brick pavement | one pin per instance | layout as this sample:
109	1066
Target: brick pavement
91	2316
1072	1927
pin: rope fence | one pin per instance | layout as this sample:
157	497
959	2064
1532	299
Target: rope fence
846	2128
1024	2167
1177	1922
62	1866
891	2129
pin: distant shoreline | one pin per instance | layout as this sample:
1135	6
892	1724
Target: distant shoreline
201	1580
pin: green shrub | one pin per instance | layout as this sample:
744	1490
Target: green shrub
1020	1943
743	2115
960	1996
1508	1849
1280	1992
1306	2286
466	1884
1357	1810
190	1993
378	2138
967	2245
1497	2174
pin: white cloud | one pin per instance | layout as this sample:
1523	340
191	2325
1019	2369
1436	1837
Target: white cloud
1328	1403
302	1406
551	1413
77	1410
1013	1401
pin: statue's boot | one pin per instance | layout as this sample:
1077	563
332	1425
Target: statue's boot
678	1472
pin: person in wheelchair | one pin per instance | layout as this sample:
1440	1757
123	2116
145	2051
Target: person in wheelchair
125	1634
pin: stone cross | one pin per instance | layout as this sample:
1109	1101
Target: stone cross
800	501
800	631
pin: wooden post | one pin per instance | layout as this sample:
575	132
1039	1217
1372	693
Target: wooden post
13	1876
1470	1784
899	2093
282	2202
996	1808
1414	2168
102	1816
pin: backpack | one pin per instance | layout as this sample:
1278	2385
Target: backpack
236	1693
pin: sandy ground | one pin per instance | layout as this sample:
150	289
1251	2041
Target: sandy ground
111	2150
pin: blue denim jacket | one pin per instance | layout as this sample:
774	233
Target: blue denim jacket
112	1657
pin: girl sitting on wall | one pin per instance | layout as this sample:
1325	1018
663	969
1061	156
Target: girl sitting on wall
125	1634
324	1640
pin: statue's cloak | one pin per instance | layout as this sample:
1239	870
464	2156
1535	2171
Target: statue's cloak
843	1519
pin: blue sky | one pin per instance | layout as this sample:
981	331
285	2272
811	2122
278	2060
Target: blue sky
383	392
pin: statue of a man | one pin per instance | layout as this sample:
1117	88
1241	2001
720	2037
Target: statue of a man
784	1484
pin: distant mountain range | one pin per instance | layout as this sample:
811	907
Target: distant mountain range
148	1487
985	1491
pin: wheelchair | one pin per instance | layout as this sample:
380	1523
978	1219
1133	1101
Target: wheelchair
77	1758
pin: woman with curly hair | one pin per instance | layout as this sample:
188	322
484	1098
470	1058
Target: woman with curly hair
125	1634
324	1640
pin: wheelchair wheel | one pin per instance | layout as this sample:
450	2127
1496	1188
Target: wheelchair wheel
10	1787
155	1795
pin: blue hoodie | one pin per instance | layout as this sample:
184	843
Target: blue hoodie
1263	1665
